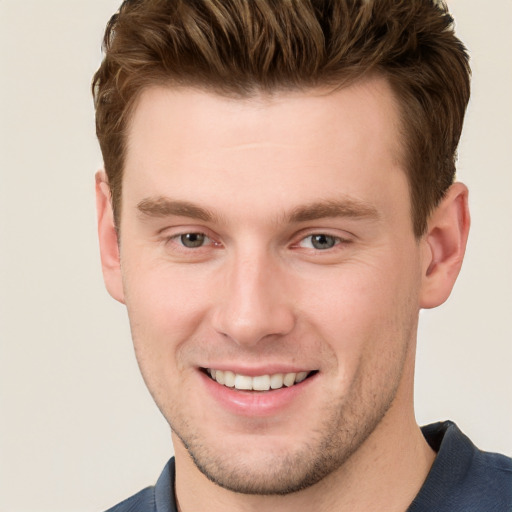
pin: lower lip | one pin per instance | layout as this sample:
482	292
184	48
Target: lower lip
256	403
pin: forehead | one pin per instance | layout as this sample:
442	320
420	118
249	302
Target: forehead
293	147
368	104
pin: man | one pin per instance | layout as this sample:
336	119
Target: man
278	203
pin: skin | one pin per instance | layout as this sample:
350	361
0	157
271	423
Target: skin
257	295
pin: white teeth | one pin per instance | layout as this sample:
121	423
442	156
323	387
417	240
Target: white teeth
261	383
301	376
243	382
258	383
229	379
276	381
289	379
219	377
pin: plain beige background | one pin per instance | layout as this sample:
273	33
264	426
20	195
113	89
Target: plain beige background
78	430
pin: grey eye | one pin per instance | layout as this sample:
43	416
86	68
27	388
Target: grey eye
323	241
193	240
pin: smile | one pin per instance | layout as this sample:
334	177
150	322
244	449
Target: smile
257	383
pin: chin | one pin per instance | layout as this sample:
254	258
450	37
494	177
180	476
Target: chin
261	470
279	465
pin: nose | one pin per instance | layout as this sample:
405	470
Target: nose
255	303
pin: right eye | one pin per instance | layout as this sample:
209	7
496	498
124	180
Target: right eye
192	240
320	242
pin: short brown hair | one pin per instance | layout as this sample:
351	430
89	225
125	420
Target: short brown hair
243	47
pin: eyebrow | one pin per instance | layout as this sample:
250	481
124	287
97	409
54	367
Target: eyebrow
346	207
166	207
333	208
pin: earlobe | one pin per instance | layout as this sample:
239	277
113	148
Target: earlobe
108	239
444	246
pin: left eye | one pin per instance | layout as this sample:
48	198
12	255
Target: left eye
319	242
193	240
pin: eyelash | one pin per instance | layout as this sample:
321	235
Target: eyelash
178	241
336	240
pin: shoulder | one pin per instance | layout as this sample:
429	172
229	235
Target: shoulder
487	485
143	501
493	472
157	498
463	478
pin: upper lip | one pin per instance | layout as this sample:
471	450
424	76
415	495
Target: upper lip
252	371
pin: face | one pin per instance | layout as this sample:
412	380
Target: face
271	276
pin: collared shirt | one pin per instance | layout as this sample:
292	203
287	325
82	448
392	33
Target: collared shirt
462	479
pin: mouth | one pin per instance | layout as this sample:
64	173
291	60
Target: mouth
268	382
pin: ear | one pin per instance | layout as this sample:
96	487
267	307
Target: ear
108	239
444	246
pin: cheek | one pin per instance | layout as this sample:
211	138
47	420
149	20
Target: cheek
162	319
161	296
165	310
363	307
